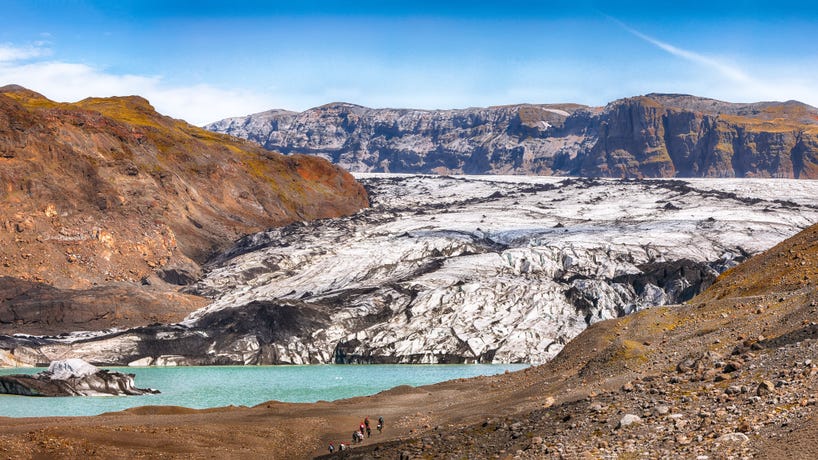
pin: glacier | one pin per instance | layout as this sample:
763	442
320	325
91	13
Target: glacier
460	269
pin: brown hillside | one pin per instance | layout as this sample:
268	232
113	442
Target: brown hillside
109	190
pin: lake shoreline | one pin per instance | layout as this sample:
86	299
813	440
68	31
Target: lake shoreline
207	387
284	430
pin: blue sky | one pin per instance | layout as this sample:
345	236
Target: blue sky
205	60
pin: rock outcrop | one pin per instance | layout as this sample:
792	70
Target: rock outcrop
72	377
450	270
27	307
658	135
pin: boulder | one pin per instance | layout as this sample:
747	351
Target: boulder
629	419
72	377
765	387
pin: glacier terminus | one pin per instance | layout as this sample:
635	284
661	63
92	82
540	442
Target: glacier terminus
458	269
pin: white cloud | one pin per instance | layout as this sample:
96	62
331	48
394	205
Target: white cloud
724	68
202	104
725	80
11	53
70	82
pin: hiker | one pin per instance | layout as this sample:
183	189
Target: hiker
354	437
366	421
362	429
342	447
368	432
380	428
331	448
380	421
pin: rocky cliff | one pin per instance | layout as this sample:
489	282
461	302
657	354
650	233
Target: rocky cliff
107	191
658	135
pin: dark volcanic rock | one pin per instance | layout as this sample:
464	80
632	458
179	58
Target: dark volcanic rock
27	307
679	280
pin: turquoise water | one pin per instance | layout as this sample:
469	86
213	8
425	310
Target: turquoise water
203	387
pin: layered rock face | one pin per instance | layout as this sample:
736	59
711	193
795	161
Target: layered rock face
657	135
472	141
666	136
72	377
444	270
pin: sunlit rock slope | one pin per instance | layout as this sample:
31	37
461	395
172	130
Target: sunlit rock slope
107	189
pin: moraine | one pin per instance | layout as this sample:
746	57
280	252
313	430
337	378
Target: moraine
460	270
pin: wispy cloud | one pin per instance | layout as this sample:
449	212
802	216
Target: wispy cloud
11	53
723	79
68	82
730	71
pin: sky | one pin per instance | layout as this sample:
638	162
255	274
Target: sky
202	61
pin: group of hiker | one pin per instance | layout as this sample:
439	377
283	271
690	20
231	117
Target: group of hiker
358	435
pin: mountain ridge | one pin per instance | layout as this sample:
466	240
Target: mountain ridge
655	135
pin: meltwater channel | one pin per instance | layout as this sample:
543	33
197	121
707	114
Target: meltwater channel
206	386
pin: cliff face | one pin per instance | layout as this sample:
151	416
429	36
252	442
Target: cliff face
661	136
649	136
473	141
108	190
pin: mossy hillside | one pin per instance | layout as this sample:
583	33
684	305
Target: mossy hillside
185	146
31	99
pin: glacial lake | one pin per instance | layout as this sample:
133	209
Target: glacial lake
215	386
